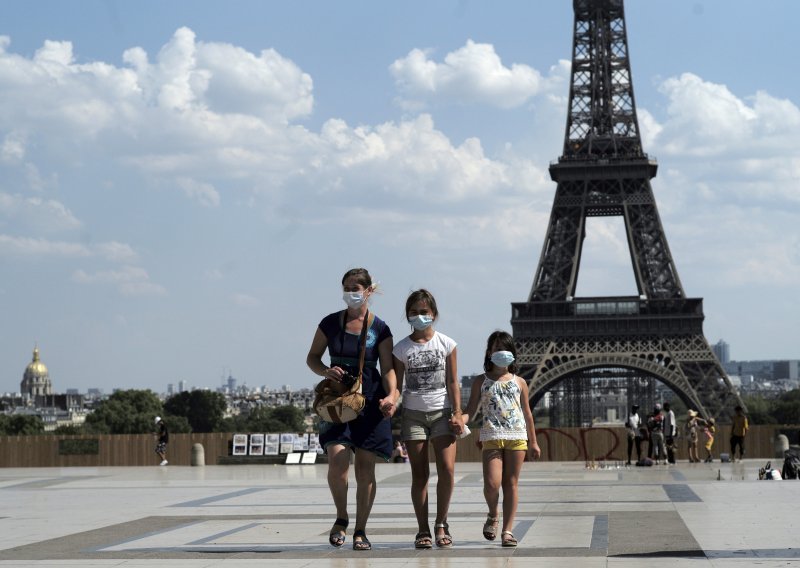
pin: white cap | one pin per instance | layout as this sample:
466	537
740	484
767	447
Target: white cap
158	419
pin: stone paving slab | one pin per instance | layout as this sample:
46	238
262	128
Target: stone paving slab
228	516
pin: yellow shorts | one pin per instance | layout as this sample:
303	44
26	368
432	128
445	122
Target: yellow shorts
505	445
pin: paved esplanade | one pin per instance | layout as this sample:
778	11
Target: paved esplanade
230	516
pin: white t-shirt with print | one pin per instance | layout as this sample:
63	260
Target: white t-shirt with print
425	382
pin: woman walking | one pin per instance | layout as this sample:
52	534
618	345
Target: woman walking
370	434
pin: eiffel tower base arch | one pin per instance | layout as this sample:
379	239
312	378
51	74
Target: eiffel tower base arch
685	363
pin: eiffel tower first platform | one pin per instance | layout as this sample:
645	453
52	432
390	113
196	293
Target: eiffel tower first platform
566	341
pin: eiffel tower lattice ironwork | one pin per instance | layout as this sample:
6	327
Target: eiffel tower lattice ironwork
604	172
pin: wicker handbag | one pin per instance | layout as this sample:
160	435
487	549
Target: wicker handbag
336	402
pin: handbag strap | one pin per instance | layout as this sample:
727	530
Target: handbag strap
369	317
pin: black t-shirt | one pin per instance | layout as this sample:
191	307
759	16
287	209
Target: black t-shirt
163	433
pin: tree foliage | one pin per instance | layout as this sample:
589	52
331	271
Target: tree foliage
204	410
268	420
20	425
125	412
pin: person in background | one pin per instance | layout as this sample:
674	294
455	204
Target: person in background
738	432
632	425
670	432
692	427
655	424
369	436
163	440
709	431
425	363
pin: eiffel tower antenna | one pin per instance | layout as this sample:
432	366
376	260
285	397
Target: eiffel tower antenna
576	343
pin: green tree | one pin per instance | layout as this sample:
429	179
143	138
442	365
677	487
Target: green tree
786	409
759	409
20	425
125	412
68	429
203	409
271	419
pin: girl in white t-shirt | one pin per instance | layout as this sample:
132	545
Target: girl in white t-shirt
425	364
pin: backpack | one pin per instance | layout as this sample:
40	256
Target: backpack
791	465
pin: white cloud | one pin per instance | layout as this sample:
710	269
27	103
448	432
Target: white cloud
42	215
29	246
129	280
203	193
473	73
707	120
245	300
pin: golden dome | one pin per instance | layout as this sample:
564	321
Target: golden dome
36	368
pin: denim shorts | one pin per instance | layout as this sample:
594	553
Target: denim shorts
426	424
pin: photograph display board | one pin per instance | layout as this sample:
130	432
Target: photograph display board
240	444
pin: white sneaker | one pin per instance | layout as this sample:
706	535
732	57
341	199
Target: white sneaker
165	462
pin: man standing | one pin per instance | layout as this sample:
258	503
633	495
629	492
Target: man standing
163	440
738	432
670	431
656	427
632	426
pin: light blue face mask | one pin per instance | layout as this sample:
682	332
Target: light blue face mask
502	358
420	322
353	299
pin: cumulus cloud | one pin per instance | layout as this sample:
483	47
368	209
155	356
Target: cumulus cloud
707	119
473	73
129	280
29	246
46	215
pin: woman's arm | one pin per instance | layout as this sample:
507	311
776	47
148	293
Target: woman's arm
388	405
534	452
314	358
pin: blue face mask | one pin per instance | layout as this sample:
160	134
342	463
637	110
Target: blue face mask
502	358
353	299
420	322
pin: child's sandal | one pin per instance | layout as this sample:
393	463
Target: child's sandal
423	540
509	539
490	528
446	540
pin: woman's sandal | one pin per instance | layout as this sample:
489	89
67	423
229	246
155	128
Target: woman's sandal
364	543
509	539
336	537
490	528
423	540
446	540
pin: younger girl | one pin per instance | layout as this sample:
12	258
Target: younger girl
507	432
709	432
425	366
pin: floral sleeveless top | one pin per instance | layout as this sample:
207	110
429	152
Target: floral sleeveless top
502	412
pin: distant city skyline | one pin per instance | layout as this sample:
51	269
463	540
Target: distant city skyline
184	183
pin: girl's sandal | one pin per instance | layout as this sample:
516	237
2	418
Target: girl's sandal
490	528
423	540
363	543
509	539
336	537
446	540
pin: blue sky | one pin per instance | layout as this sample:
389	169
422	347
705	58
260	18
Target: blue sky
183	184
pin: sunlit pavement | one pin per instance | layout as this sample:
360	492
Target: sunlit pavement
685	515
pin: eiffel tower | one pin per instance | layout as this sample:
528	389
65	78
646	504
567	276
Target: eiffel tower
567	341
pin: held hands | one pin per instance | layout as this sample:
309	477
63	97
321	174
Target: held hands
457	424
388	406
